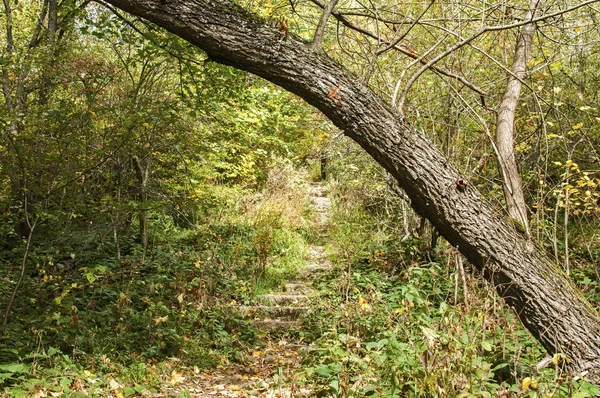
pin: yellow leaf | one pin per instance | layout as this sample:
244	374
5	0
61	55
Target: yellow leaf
577	126
526	383
160	319
364	304
556	358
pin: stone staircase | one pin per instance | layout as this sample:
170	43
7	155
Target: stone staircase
272	363
283	311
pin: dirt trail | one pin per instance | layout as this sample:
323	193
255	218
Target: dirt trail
271	366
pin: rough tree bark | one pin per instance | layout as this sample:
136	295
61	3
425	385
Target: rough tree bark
505	123
543	297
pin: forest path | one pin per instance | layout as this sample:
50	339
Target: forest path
270	368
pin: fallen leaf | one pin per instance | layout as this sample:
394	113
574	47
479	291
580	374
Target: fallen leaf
176	377
40	393
113	384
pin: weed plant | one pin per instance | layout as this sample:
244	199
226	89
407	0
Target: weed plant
392	323
90	322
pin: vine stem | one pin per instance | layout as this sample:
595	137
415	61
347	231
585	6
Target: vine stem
23	263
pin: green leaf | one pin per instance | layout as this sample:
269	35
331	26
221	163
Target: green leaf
101	269
15	368
486	345
90	277
582	394
129	391
65	382
323	370
334	386
18	393
52	351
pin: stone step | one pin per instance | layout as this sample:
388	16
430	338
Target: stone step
311	269
322	206
283	299
276	324
264	311
316	252
297	288
318	190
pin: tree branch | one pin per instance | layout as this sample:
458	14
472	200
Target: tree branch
344	21
480	32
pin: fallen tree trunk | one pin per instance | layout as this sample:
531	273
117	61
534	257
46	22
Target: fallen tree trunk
546	301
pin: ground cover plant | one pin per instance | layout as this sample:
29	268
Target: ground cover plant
151	197
399	318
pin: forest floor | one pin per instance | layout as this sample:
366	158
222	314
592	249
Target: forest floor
271	364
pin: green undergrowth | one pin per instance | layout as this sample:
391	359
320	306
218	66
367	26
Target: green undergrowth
87	321
400	319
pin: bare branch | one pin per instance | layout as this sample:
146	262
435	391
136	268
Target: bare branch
344	21
480	32
403	35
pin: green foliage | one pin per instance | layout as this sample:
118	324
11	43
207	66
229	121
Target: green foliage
153	179
415	331
165	188
168	300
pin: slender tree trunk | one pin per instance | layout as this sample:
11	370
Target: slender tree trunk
22	273
320	30
323	166
142	173
505	123
544	298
